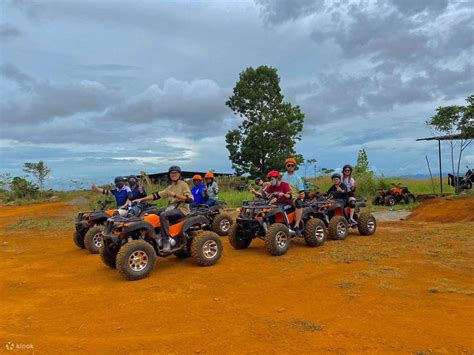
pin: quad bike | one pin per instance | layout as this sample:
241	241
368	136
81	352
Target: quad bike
131	244
219	221
336	217
262	219
465	182
393	196
89	226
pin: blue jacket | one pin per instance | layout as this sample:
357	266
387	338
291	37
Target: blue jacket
198	193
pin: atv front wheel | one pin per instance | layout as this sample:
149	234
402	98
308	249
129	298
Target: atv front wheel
93	239
338	228
78	240
376	200
409	198
315	233
277	239
237	238
206	248
221	224
390	201
366	223
108	255
136	260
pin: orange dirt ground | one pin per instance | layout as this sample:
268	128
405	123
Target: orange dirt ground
407	289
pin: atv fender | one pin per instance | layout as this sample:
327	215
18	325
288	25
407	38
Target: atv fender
140	225
196	220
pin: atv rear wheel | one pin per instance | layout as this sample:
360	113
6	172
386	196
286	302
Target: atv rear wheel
409	198
315	232
206	248
377	200
277	239
338	228
390	201
78	240
136	260
366	223
108	255
222	223
93	239
237	239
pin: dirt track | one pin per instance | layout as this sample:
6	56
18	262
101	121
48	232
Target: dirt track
407	289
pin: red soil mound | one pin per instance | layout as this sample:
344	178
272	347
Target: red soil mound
444	210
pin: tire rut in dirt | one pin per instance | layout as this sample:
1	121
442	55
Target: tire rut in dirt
129	266
91	239
206	248
277	239
315	232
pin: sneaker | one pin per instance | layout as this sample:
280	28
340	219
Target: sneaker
352	222
166	245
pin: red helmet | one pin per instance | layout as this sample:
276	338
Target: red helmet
274	174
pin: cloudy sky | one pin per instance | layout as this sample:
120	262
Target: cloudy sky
101	88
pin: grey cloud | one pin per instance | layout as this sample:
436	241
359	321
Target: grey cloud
9	31
410	7
11	72
47	101
197	104
110	67
277	11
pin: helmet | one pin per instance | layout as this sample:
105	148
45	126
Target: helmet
291	161
336	175
257	180
132	177
119	179
273	173
174	168
122	212
347	166
197	177
209	175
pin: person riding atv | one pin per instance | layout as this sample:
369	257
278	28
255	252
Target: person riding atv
179	197
272	218
131	243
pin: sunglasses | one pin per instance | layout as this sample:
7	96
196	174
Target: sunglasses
290	165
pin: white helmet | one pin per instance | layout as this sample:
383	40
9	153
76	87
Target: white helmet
123	212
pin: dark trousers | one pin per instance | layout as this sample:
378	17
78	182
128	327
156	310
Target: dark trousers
167	217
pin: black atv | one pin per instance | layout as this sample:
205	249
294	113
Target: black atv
219	221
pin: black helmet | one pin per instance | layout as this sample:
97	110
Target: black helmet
132	177
347	166
257	180
119	179
174	168
336	175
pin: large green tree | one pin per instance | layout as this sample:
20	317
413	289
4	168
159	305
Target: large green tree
270	127
456	122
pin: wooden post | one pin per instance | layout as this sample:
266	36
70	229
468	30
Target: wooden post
145	178
440	170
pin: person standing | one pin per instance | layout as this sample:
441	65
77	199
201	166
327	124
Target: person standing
297	188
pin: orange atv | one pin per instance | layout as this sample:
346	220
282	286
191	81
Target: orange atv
89	226
273	224
132	244
336	217
393	196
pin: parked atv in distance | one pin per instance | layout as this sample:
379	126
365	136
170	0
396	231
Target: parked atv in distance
396	194
463	182
219	221
270	222
336	217
89	226
131	244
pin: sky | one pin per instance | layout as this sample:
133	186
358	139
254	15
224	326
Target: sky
103	88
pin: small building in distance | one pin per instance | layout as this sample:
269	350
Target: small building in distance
162	177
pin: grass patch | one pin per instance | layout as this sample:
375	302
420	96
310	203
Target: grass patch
46	224
308	325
